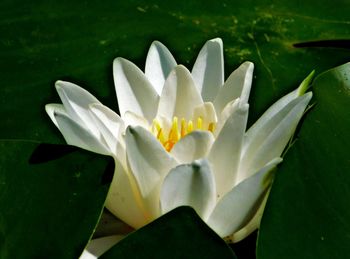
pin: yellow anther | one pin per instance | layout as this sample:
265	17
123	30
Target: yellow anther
211	127
155	128
183	127
189	127
174	134
199	123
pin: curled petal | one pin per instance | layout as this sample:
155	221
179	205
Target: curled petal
53	108
208	70
239	205
159	63
134	92
189	185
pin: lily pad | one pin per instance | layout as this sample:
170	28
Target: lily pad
49	207
44	41
308	214
177	234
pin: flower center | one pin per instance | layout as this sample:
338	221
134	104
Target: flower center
176	131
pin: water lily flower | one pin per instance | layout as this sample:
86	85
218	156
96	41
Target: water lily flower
181	138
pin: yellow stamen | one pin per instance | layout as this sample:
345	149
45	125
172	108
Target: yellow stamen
211	127
183	127
176	132
199	123
189	127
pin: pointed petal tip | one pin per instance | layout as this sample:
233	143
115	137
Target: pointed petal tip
181	69
119	60
48	108
216	40
59	84
250	64
157	43
305	84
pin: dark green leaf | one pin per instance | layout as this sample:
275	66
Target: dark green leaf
43	41
178	234
48	209
308	213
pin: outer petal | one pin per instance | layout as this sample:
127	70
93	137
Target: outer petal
99	246
268	137
236	86
159	63
132	119
238	206
134	92
208	70
76	135
226	150
109	124
179	96
193	146
190	185
76	101
53	108
149	163
124	199
252	225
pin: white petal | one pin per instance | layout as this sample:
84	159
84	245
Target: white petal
76	135
189	185
236	86
193	146
124	199
252	225
134	92
268	137
208	70
132	119
226	150
180	96
159	63
149	163
76	101
238	206
109	124
207	113
53	108
99	246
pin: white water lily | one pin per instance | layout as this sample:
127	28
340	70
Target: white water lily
181	139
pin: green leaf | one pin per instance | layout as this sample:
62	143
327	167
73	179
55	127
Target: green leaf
177	234
44	41
51	198
308	213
